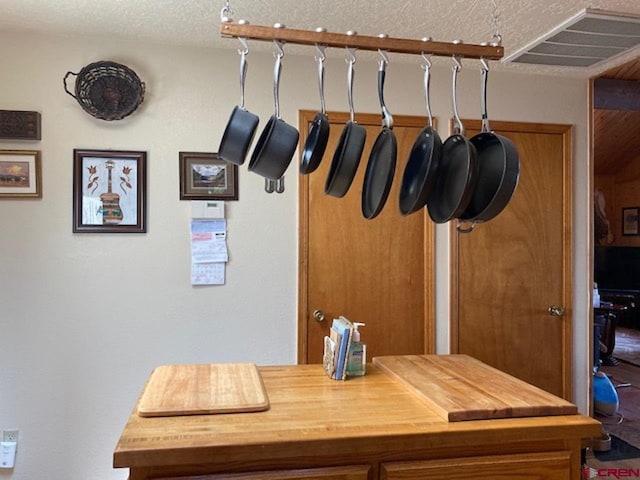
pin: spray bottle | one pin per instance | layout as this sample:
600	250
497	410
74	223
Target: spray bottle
357	354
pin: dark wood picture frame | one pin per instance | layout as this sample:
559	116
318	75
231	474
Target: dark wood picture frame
20	174
20	125
206	176
109	191
630	221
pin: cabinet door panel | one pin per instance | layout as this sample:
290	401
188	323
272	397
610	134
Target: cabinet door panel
378	271
351	472
537	466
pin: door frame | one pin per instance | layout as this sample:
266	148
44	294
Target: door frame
305	119
567	244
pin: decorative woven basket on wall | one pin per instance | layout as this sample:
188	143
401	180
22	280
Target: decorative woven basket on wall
107	90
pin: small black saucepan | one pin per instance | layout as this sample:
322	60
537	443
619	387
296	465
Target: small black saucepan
458	170
316	142
278	141
242	124
382	160
347	156
499	169
422	166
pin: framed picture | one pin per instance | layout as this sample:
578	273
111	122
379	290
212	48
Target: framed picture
205	176
630	221
109	191
20	174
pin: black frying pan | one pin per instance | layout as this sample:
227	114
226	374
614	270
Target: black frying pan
458	171
278	141
242	124
422	166
499	169
316	142
382	160
347	156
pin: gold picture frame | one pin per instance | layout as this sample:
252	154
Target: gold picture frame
20	174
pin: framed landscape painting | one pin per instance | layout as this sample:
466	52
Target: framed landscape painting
205	176
20	174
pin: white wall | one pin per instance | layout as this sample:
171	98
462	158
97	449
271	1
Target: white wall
85	317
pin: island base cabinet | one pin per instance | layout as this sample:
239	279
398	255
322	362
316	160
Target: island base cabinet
533	466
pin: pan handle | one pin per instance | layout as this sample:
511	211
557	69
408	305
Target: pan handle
387	118
484	72
468	229
427	82
279	53
458	128
351	61
320	59
243	67
269	185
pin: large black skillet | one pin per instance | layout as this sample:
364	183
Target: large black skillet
347	156
242	124
316	143
381	166
499	169
458	170
422	166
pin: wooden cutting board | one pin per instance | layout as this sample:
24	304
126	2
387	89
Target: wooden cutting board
460	388
203	389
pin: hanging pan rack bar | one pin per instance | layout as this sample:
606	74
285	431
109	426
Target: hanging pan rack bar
361	42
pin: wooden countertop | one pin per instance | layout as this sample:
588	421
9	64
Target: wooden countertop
373	415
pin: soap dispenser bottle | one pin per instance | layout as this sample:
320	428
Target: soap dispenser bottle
357	355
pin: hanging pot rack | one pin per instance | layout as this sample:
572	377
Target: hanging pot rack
488	51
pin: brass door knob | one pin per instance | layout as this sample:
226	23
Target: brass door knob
556	311
318	315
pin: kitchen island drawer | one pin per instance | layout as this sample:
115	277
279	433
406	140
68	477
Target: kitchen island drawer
349	472
531	466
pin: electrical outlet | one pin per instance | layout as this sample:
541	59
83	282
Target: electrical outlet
10	435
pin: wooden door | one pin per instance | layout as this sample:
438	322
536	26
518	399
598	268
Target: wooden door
375	271
509	271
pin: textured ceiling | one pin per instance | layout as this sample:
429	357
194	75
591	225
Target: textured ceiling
196	22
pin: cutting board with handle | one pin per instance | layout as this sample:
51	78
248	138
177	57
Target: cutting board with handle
461	388
203	389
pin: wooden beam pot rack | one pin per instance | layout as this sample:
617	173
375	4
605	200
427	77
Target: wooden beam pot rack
361	42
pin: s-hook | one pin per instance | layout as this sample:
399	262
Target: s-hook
320	58
226	13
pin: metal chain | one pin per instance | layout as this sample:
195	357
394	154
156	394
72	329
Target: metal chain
495	16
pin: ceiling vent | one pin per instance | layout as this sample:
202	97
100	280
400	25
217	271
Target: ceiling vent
590	37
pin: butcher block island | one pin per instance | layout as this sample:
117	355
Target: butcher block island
410	417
